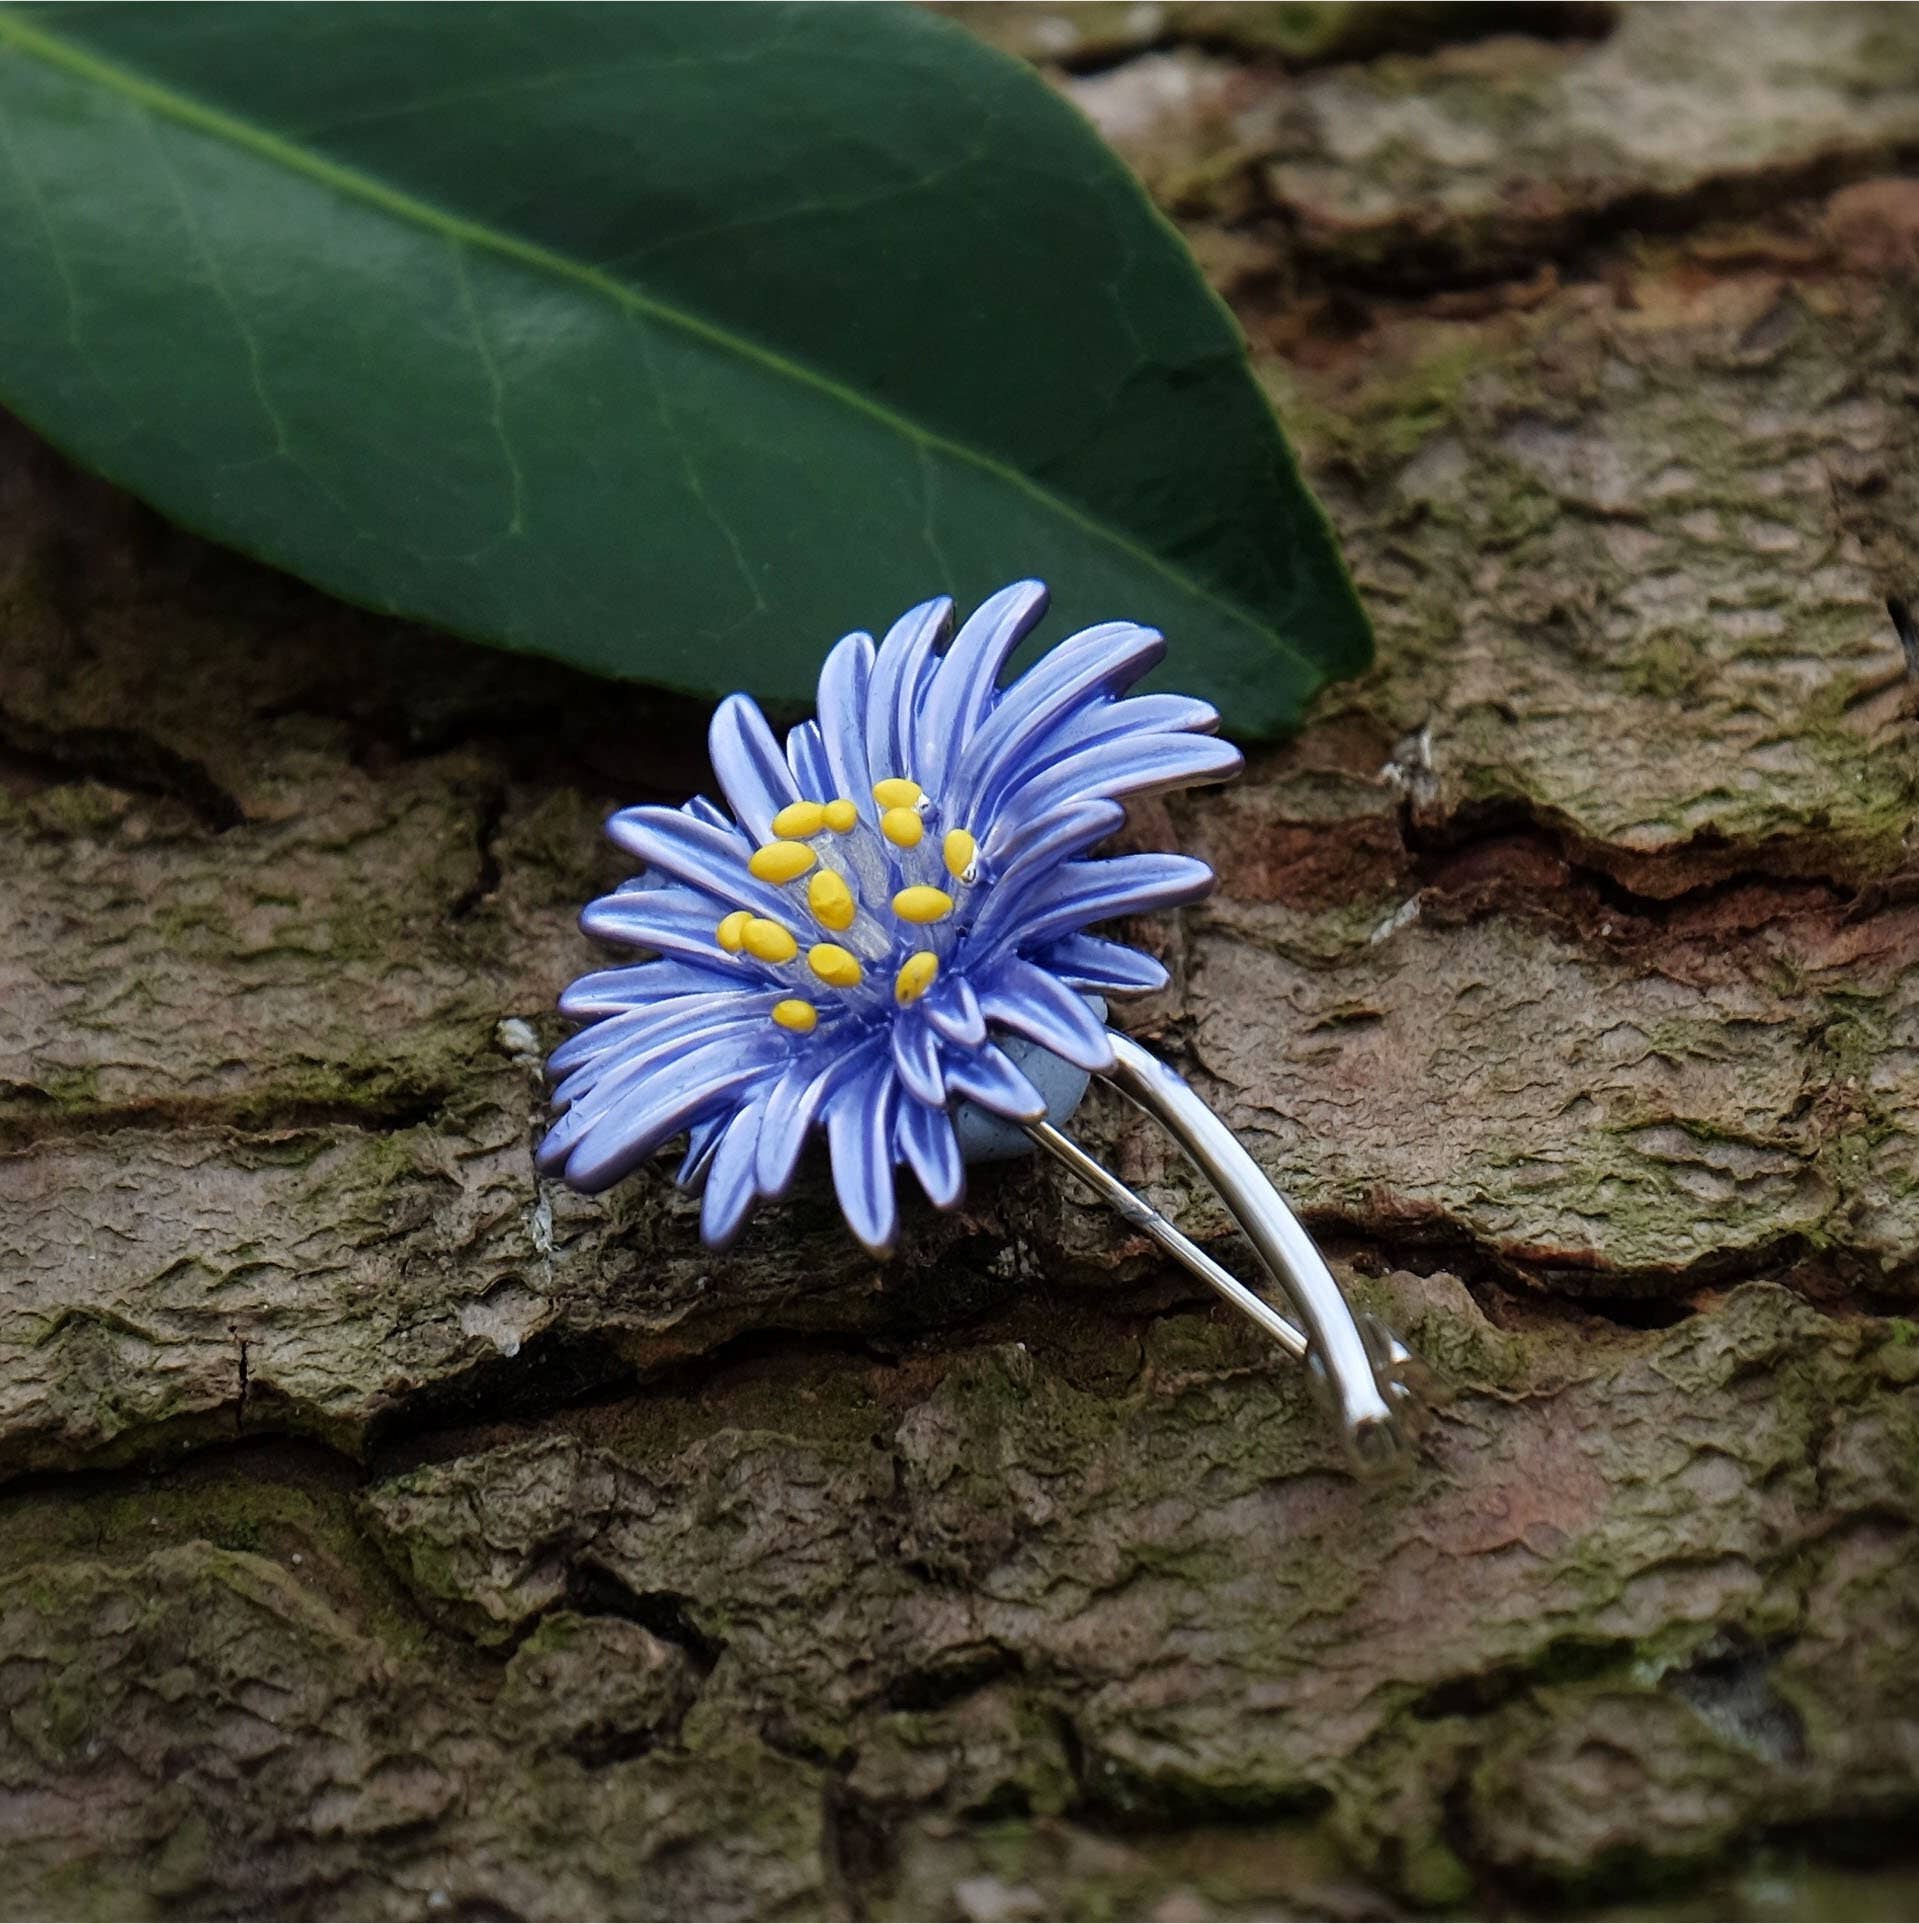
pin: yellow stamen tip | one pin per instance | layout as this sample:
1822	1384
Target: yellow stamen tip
897	792
915	977
767	941
781	861
841	816
922	904
797	820
902	827
959	850
801	1017
831	900
732	931
838	967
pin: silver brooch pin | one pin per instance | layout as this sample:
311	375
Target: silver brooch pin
888	938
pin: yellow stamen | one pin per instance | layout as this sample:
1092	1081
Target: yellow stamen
768	941
841	816
834	965
902	827
922	905
959	850
797	820
831	900
897	792
781	861
732	931
801	1017
915	977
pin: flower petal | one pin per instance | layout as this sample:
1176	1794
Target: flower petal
859	1132
898	685
1054	842
962	686
632	1027
675	921
591	1087
634	985
924	1138
916	1057
1093	662
702	1141
1106	968
1080	893
695	853
793	1106
730	1194
1156	714
1032	1003
1105	718
806	756
987	1076
844	682
1110	769
622	1138
748	762
953	1009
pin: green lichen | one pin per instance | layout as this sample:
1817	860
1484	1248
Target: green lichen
1385	417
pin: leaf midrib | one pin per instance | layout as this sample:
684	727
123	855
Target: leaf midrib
35	42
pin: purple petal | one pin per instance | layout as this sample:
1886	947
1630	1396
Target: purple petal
987	1076
1109	769
712	814
916	1057
899	677
730	1194
1055	841
1102	718
783	1128
749	764
1093	662
636	984
695	853
962	686
674	921
1106	968
925	1138
702	1140
1080	893
1157	714
623	1138
790	1112
631	1027
859	1131
844	682
591	1087
806	755
953	1009
1032	1003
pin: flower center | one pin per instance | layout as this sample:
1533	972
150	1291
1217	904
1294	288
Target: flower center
890	900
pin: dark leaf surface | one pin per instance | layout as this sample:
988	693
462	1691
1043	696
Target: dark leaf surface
671	340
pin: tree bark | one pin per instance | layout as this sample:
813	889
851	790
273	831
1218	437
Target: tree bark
387	1534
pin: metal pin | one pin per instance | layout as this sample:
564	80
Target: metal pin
1361	1365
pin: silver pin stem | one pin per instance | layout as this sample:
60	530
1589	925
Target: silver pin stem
1145	1218
1360	1366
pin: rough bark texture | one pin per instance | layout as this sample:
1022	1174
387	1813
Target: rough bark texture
387	1535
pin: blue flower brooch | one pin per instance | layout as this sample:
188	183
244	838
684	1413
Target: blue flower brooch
889	937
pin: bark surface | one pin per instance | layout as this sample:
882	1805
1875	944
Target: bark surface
385	1534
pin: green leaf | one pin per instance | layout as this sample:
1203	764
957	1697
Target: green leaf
669	340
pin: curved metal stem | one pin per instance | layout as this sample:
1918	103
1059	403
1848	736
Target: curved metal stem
1358	1363
1144	1217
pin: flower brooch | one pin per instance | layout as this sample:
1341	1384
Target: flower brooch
889	938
